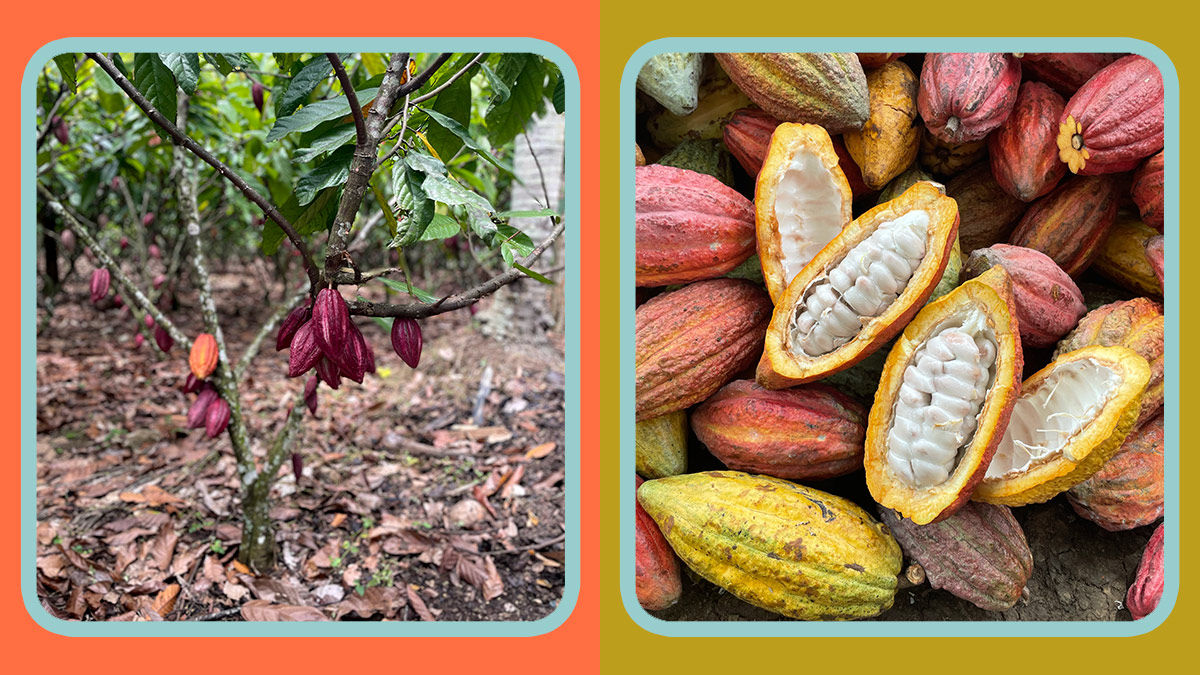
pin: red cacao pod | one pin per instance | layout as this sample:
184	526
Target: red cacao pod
62	131
328	371
1128	491
331	322
1147	588
808	432
67	240
987	213
353	362
1023	152
217	418
656	569
963	97
124	243
1148	191
1114	120
203	358
876	59
198	413
1049	304
1065	72
164	340
1155	254
256	93
407	340
149	321
747	135
690	226
1070	223
192	384
305	351
310	394
148	219
138	341
160	280
291	323
100	282
118	301
154	251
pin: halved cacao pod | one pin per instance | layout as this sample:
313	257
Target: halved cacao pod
812	88
1137	324
1071	418
874	60
1070	223
888	142
947	389
656	569
964	97
1023	153
1147	588
1114	120
810	432
978	554
987	212
801	202
1156	257
689	226
693	340
748	135
861	289
907	178
203	358
1148	191
673	79
1122	256
1066	72
1049	304
784	547
1128	491
661	445
719	99
708	157
948	159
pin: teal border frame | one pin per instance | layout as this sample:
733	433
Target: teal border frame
29	343
884	628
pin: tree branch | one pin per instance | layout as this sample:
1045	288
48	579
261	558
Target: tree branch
360	127
182	139
422	77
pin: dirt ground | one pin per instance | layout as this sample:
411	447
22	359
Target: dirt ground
405	509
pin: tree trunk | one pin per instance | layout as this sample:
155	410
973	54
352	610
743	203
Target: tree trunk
258	533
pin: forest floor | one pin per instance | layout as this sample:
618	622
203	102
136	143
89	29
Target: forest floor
404	509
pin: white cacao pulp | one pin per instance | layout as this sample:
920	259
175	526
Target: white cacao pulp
808	209
1045	420
937	409
861	286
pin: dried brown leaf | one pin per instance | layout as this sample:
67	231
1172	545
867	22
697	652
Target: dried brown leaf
164	602
418	604
540	451
262	610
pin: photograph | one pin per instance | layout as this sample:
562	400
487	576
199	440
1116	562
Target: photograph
302	336
898	337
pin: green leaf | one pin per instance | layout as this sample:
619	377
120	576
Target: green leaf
511	237
454	102
238	61
533	275
455	64
302	84
414	202
401	287
481	224
186	68
120	65
451	193
559	98
457	129
506	120
499	87
334	138
317	216
333	170
156	81
314	114
441	227
66	68
526	214
219	62
425	163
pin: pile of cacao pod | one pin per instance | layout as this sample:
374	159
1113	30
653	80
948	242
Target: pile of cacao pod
938	275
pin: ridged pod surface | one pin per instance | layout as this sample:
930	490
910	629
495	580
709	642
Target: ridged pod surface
860	290
1122	257
407	340
330	322
802	200
304	352
1071	222
888	142
1023	153
1156	256
964	97
1065	72
692	341
1049	304
216	418
1147	588
945	159
198	412
1114	120
825	89
656	569
661	445
809	432
203	358
689	226
101	278
291	323
748	135
1071	418
978	554
988	214
1148	191
1137	324
673	79
944	399
1128	491
789	549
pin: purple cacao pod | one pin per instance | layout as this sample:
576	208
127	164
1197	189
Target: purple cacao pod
310	394
291	323
61	131
331	322
305	352
67	239
406	340
154	251
329	373
100	282
149	321
354	360
160	280
148	219
198	413
217	418
256	92
193	384
164	340
138	341
297	466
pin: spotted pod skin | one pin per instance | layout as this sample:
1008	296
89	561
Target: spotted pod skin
1115	119
787	548
964	97
1023	154
1070	223
661	445
656	569
808	432
825	89
1148	191
1065	72
888	143
978	554
1128	491
1147	588
1123	260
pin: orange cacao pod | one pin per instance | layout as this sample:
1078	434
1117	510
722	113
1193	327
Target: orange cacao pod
203	358
656	569
1023	153
1128	491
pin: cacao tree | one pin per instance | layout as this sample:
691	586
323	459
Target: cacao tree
343	170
